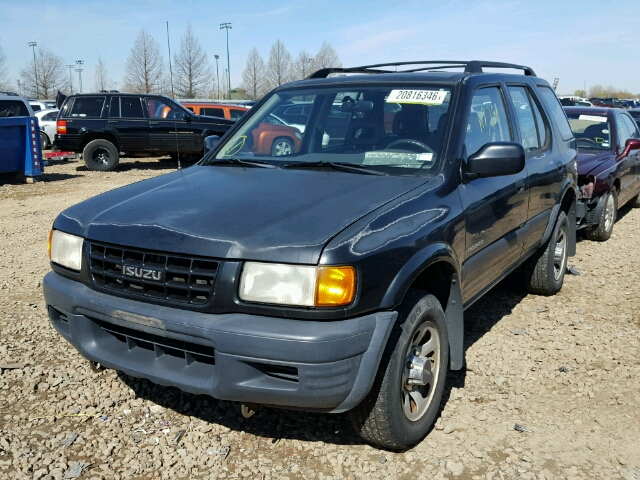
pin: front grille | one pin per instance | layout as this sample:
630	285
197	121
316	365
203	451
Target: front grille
154	276
190	352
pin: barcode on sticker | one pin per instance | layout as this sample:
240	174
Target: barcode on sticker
428	97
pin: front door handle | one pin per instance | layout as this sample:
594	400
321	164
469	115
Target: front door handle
154	123
112	121
520	186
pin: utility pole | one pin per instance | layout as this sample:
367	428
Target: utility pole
35	69
217	75
79	63
227	27
70	67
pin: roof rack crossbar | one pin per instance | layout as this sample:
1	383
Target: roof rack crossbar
472	66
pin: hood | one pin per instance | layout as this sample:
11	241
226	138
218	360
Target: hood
218	121
232	212
588	159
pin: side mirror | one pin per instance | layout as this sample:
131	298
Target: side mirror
631	144
210	142
496	159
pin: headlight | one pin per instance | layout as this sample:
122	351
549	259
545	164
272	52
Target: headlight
298	285
65	249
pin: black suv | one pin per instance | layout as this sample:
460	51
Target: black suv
103	126
335	278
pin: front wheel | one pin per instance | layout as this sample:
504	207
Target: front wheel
282	146
101	155
545	270
603	230
403	403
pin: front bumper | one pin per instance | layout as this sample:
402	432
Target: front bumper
309	365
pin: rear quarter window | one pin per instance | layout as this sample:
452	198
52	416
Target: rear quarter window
13	108
555	110
87	107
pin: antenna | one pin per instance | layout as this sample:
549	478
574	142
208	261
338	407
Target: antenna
173	97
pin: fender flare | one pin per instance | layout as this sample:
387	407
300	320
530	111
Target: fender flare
572	217
454	310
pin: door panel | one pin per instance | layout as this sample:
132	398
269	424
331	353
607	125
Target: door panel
495	208
127	122
626	165
168	131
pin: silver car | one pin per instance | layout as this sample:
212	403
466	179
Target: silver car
47	121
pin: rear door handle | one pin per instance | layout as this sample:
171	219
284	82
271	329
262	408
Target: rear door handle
154	123
112	121
520	186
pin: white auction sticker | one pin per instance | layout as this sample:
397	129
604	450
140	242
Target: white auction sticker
425	97
593	118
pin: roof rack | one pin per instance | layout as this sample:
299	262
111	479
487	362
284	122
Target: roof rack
473	66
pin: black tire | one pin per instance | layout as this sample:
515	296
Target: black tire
602	231
380	418
282	146
101	155
45	143
545	270
191	157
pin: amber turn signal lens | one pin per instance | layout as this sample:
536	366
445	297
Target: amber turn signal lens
335	286
49	244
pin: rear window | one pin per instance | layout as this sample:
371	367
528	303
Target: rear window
13	108
236	114
89	107
555	109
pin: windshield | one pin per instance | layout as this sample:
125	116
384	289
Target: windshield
389	128
591	131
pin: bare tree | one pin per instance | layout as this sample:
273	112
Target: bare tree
326	57
192	69
4	80
144	69
45	78
253	75
101	77
279	65
302	66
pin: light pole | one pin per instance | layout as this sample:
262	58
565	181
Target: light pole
35	69
79	63
70	67
217	57
227	27
226	71
18	87
306	62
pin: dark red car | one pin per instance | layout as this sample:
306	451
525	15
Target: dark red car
608	142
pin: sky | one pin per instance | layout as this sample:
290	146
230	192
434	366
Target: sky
579	42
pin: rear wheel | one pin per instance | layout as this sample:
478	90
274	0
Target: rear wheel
404	400
545	270
101	155
45	143
281	146
602	231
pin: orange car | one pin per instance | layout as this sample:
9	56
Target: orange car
230	112
274	137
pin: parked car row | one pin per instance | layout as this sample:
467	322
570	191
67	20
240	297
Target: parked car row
608	143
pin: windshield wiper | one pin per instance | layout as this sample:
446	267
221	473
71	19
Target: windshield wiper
342	166
244	163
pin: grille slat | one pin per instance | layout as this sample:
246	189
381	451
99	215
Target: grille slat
172	278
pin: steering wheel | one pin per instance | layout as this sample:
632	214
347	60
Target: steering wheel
590	140
410	141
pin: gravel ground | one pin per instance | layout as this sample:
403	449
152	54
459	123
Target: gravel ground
565	369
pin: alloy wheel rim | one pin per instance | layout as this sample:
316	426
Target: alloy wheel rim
101	156
559	254
420	371
608	213
282	148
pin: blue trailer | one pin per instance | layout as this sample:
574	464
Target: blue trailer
20	150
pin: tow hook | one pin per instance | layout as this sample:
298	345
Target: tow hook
248	410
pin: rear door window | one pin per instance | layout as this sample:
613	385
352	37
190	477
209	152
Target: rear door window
13	108
532	127
89	107
212	112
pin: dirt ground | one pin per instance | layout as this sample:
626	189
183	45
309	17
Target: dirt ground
566	369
